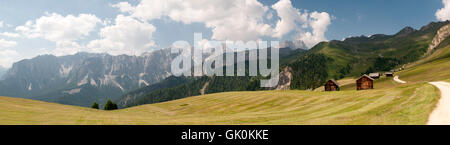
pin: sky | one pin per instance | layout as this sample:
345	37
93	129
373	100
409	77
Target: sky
32	28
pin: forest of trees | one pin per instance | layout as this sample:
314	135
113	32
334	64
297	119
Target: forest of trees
310	71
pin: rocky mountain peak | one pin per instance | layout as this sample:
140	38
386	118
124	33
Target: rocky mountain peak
405	31
434	25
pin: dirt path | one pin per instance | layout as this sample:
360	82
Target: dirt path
398	80
441	114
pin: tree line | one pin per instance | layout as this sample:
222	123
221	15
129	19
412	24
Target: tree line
108	106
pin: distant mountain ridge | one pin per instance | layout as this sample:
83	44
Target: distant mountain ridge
359	55
308	70
83	78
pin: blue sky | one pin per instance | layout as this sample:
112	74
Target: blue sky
108	27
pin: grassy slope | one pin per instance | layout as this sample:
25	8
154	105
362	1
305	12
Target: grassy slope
401	105
361	52
389	103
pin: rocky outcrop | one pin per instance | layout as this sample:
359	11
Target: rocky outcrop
441	35
284	82
202	91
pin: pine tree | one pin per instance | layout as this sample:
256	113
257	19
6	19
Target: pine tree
114	107
95	105
110	105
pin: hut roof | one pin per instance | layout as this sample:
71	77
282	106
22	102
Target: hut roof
366	77
374	74
334	81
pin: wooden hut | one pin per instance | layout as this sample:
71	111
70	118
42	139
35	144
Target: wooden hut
364	82
331	85
374	75
389	74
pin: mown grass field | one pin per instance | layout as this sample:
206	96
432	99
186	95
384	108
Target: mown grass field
389	103
401	105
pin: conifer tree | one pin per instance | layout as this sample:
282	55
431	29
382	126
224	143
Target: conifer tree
95	106
110	105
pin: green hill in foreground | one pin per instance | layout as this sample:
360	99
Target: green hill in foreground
389	103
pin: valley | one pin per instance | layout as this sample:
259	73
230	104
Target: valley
389	103
309	70
239	100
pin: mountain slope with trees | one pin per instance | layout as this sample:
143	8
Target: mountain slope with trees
351	57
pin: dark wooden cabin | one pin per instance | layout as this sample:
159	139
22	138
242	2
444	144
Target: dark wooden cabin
331	85
364	83
389	74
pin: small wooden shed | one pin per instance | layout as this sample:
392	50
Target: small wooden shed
331	85
364	83
389	74
374	75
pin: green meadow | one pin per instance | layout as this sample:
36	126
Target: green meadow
389	103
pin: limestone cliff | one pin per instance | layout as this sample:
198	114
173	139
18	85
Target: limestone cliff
285	79
441	35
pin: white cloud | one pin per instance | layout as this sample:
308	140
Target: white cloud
67	48
7	57
7	44
63	30
290	17
443	14
235	19
8	34
44	51
126	36
132	33
311	27
55	27
124	7
1	24
229	20
319	23
7	52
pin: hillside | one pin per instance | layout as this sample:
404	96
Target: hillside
180	87
409	104
400	105
388	103
376	52
351	57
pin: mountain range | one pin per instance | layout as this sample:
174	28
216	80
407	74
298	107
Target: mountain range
84	78
307	70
